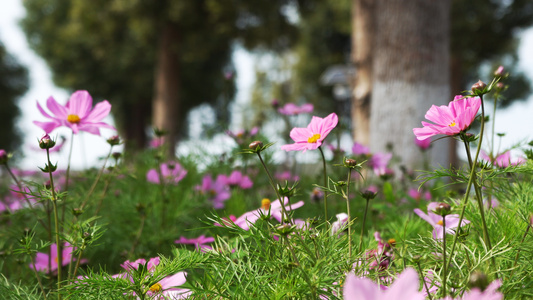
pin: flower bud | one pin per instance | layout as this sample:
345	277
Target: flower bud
284	229
4	157
46	142
499	71
368	195
443	209
77	211
478	280
478	87
275	103
500	86
256	145
350	163
114	140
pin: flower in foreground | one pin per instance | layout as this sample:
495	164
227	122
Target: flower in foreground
405	287
290	109
274	208
311	138
452	221
451	119
77	114
341	223
171	173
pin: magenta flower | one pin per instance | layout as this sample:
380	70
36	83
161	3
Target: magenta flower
379	161
451	119
218	191
405	287
419	195
76	114
423	144
360	149
341	223
242	135
286	176
41	260
236	178
274	208
452	221
311	138
171	172
502	160
199	242
291	109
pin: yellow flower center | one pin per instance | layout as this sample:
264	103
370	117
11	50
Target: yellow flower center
452	124
73	119
156	288
440	223
392	242
314	138
265	204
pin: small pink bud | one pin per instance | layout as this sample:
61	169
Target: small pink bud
499	71
478	87
3	157
46	142
114	140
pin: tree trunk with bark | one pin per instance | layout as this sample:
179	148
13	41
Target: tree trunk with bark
362	32
410	73
166	103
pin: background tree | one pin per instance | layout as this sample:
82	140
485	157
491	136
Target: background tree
154	60
13	84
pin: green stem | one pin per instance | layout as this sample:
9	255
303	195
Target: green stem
37	275
78	262
325	184
518	252
425	283
349	213
306	276
96	180
445	265
139	233
56	220
271	179
363	227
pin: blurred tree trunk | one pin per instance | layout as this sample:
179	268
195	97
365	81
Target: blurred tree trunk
362	32
410	72
135	124
167	90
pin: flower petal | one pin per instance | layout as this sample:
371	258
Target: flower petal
80	103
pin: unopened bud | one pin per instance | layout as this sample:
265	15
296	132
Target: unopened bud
256	145
478	280
368	195
500	85
499	71
77	211
350	163
116	155
478	87
46	142
275	103
3	157
114	140
443	209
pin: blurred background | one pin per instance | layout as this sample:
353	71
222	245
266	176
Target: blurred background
199	68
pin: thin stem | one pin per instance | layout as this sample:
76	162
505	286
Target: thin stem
56	221
347	196
518	252
37	275
96	180
306	277
325	184
139	233
363	227
281	201
445	264
425	283
77	263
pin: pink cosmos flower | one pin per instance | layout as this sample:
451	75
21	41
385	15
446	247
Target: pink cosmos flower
311	138
290	109
502	160
275	209
452	221
419	195
172	173
360	149
41	260
16	199
286	176
405	287
76	114
423	144
451	119
341	223
379	161
236	178
217	191
199	242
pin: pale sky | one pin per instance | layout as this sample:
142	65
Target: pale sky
515	121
